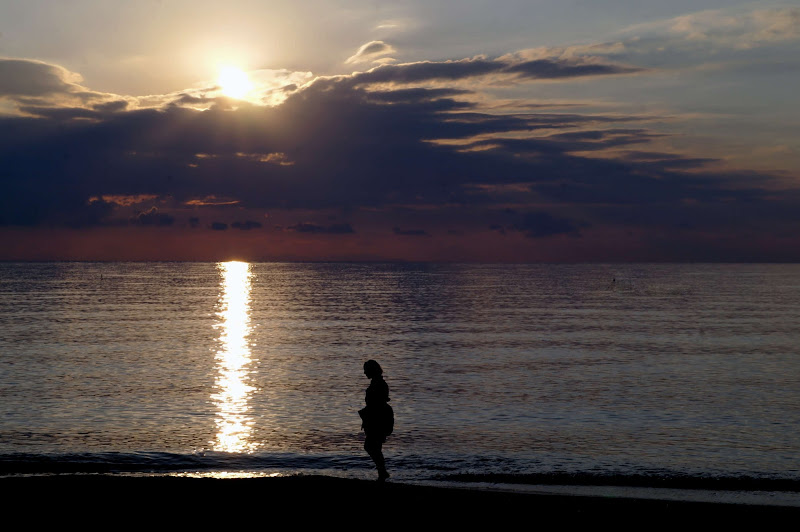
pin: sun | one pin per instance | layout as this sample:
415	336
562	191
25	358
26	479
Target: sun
234	82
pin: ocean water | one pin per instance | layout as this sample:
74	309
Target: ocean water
513	372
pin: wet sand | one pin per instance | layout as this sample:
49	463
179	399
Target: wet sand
110	500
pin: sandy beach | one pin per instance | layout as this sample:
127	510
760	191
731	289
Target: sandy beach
180	501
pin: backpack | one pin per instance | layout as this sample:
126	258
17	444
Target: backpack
380	419
388	420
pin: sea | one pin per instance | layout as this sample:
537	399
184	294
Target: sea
671	375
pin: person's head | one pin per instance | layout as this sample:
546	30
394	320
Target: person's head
372	369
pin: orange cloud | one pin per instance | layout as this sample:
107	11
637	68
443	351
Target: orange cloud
123	200
211	201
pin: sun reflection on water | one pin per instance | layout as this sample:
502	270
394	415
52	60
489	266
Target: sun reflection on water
228	474
233	359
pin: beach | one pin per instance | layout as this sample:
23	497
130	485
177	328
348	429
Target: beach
302	500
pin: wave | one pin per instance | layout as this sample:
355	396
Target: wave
162	462
408	467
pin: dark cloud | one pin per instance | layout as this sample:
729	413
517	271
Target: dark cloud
60	113
246	225
97	212
410	232
219	226
347	145
348	148
538	224
415	95
666	160
581	141
560	69
111	107
552	68
24	77
333	229
191	99
152	217
542	224
498	227
36	84
431	100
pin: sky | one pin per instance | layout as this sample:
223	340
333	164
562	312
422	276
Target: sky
452	130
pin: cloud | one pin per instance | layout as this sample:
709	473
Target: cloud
46	90
498	227
543	224
210	200
152	217
37	86
124	200
350	148
731	28
371	52
95	213
334	229
410	232
246	225
112	106
574	141
59	113
506	68
274	158
416	95
731	35
723	37
25	77
375	146
395	25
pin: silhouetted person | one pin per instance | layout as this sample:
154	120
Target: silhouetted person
377	417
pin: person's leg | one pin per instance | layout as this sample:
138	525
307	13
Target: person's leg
374	448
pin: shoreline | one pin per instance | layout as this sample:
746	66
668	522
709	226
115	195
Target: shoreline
790	499
323	499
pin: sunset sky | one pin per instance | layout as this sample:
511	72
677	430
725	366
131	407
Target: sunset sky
452	130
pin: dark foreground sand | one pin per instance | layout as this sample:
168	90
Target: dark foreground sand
110	501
